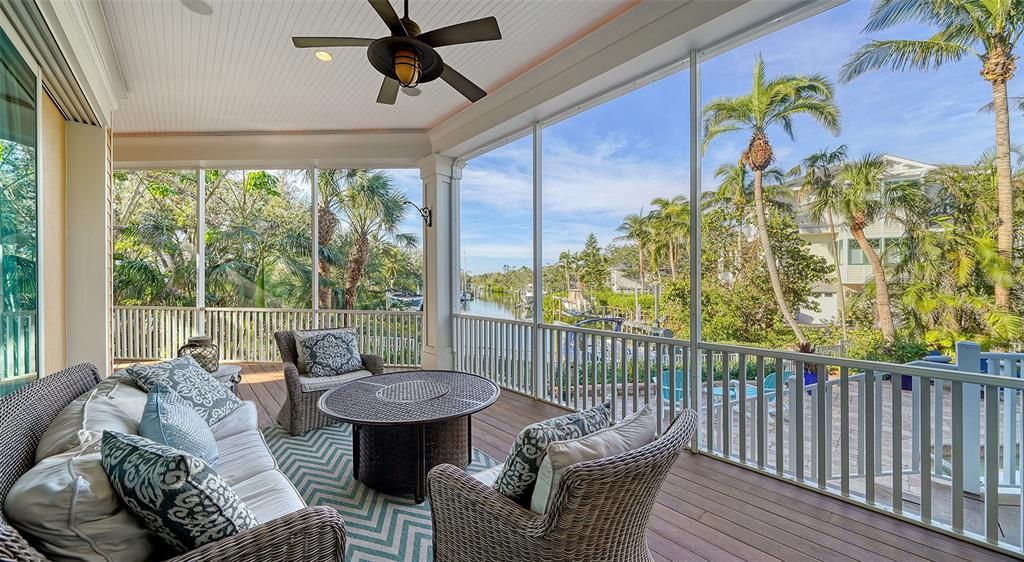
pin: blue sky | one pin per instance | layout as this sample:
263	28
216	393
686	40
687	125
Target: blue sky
613	159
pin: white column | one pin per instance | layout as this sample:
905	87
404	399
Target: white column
314	197
201	252
538	259
439	265
88	248
695	249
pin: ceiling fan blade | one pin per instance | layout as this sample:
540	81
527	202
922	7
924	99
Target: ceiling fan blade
464	86
308	42
387	13
485	29
388	91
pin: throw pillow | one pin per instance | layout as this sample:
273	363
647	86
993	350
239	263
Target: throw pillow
630	433
177	496
170	420
210	399
327	353
519	475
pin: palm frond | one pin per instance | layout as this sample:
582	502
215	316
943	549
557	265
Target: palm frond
900	55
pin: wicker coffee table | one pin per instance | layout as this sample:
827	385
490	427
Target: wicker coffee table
404	424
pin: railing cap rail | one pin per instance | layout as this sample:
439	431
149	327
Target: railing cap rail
281	310
876	366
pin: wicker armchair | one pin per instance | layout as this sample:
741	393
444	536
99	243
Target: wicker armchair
301	411
313	533
599	513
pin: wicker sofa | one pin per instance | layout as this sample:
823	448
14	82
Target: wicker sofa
301	411
599	512
309	533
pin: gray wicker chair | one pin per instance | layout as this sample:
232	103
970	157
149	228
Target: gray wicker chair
599	513
301	411
313	533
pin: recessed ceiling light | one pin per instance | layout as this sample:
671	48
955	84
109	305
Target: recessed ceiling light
323	56
198	6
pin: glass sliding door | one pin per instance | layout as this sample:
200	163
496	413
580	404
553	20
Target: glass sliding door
18	224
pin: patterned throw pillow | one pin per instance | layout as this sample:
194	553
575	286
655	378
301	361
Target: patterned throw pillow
327	353
175	495
519	475
170	420
210	399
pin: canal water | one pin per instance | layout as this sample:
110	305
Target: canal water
499	305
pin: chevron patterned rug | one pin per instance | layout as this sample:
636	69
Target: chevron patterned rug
379	527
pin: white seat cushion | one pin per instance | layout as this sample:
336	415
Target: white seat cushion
631	433
489	476
67	505
243	456
316	384
112	405
242	419
269	495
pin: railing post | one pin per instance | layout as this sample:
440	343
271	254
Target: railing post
968	360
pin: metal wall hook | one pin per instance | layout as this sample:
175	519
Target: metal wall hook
425	213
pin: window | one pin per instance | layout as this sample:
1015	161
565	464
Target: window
370	239
155	237
258	239
617	211
18	219
856	255
496	232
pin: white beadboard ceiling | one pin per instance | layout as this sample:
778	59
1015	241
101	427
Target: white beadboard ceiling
236	70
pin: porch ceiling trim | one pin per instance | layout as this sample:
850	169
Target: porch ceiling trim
366	149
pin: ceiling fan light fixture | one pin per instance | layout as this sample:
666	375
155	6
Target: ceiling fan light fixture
407	67
323	56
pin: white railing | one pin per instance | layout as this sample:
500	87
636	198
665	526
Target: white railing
575	367
247	334
18	354
937	446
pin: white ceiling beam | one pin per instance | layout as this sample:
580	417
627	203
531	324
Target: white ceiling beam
391	149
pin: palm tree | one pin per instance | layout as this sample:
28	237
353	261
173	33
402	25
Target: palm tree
863	197
371	209
670	220
986	29
331	185
823	195
949	263
735	194
774	102
636	229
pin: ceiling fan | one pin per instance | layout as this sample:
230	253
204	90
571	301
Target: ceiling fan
408	57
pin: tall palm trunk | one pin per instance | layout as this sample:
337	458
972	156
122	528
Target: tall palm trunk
885	321
328	224
1004	187
357	261
672	258
640	249
769	258
841	293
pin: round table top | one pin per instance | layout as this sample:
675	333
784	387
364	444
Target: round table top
409	397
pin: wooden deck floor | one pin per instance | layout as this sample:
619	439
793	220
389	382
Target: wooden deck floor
708	509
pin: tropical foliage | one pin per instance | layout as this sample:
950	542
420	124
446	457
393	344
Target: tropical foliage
259	239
